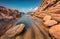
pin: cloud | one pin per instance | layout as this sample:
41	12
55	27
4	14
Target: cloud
32	9
28	9
35	8
23	10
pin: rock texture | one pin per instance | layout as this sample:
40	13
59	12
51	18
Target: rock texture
47	17
47	27
9	29
50	22
8	18
55	31
49	13
15	30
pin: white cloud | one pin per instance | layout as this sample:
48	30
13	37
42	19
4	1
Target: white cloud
28	9
35	8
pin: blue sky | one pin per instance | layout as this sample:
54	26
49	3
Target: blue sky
21	5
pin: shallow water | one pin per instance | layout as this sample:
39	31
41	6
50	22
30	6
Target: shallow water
27	20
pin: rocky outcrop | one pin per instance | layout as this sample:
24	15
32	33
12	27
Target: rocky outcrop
8	18
13	31
49	13
55	31
47	27
49	6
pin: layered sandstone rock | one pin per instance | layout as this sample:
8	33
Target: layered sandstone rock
8	19
13	31
47	17
49	6
49	13
55	31
50	22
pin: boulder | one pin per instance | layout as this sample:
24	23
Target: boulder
15	30
47	17
50	22
55	31
8	19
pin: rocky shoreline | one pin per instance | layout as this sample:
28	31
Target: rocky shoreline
47	27
49	13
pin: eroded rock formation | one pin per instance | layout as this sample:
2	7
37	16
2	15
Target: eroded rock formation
47	27
49	13
8	19
55	31
13	31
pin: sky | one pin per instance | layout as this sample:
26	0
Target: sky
21	5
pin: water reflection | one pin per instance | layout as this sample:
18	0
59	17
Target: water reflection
26	19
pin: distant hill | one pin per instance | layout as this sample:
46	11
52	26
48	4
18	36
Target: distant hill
2	7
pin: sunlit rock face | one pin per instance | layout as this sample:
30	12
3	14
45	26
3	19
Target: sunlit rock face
49	6
55	31
13	31
49	13
8	18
